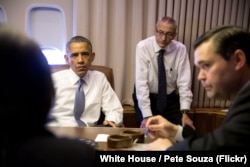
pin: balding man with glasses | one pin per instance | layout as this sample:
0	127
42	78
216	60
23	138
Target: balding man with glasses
163	76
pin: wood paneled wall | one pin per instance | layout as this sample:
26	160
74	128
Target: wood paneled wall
194	17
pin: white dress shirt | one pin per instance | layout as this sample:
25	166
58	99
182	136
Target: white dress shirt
98	94
177	67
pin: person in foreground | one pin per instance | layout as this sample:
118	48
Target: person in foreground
99	95
167	93
223	58
27	94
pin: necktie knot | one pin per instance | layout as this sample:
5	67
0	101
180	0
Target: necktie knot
80	82
161	52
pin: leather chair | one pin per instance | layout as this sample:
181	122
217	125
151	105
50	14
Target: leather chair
129	119
104	69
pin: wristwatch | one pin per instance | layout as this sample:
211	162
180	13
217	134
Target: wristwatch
184	111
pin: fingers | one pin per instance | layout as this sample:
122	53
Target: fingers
161	127
105	122
156	127
152	120
143	123
109	123
187	121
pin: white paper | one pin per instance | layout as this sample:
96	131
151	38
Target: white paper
139	147
102	138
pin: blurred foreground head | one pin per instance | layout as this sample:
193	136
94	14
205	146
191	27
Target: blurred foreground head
26	87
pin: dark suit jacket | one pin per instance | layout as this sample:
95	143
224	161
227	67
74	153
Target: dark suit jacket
234	134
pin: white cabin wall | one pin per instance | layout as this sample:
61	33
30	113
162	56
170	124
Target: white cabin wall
16	11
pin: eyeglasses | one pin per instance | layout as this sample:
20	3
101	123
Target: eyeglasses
168	34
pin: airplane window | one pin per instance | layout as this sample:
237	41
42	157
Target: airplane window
46	24
3	18
53	55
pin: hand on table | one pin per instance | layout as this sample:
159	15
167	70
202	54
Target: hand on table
160	144
109	123
159	127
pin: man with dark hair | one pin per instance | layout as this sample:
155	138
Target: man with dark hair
98	93
223	57
27	94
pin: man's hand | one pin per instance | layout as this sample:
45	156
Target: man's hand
159	127
160	144
109	123
187	121
143	122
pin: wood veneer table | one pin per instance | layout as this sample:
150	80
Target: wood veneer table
90	133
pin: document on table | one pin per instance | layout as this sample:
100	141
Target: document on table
102	138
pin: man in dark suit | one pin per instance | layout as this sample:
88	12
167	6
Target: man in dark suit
223	58
27	94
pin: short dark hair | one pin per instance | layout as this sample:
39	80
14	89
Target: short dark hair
226	40
79	39
26	90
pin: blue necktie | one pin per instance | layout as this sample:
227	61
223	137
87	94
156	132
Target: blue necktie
79	103
162	82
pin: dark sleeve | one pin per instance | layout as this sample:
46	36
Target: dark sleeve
188	131
55	152
233	134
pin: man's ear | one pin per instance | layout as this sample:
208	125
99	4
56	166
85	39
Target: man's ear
239	59
92	56
174	35
66	58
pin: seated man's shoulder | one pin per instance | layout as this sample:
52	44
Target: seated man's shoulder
60	73
96	74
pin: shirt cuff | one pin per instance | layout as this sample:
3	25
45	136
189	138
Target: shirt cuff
178	136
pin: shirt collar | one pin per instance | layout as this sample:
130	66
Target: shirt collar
74	78
168	49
